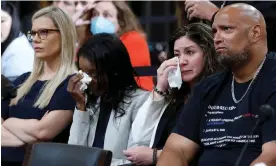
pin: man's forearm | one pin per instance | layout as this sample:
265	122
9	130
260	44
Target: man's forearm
178	151
8	139
170	158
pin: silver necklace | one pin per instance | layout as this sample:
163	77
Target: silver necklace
232	85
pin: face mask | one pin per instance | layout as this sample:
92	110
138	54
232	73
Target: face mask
102	25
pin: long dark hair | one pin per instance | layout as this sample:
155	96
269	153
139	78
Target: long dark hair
15	26
202	35
111	58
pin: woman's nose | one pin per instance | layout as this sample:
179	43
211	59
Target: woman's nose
183	60
79	6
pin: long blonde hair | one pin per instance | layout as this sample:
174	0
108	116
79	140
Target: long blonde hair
67	66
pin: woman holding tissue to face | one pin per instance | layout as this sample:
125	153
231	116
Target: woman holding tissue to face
191	47
42	109
106	110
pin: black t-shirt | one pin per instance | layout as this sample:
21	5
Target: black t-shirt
227	127
221	127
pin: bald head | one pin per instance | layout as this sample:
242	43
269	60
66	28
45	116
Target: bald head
244	14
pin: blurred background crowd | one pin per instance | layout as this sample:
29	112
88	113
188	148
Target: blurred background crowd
156	20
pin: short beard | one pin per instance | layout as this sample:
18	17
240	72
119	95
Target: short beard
230	60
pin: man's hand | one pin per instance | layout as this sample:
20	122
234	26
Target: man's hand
202	9
268	154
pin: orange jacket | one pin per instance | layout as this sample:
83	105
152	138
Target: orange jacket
138	51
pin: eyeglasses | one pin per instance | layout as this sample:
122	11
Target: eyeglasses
42	33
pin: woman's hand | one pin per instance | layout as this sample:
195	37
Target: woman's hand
79	18
8	139
82	21
74	89
163	72
140	155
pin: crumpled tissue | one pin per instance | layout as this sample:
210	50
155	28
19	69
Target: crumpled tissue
174	76
85	81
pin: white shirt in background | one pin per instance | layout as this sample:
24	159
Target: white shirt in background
18	58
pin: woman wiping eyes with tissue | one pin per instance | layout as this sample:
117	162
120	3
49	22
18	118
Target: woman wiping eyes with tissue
108	105
192	58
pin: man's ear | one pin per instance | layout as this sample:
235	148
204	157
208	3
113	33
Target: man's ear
255	33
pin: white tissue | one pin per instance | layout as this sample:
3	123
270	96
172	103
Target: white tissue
83	87
174	76
85	81
260	164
